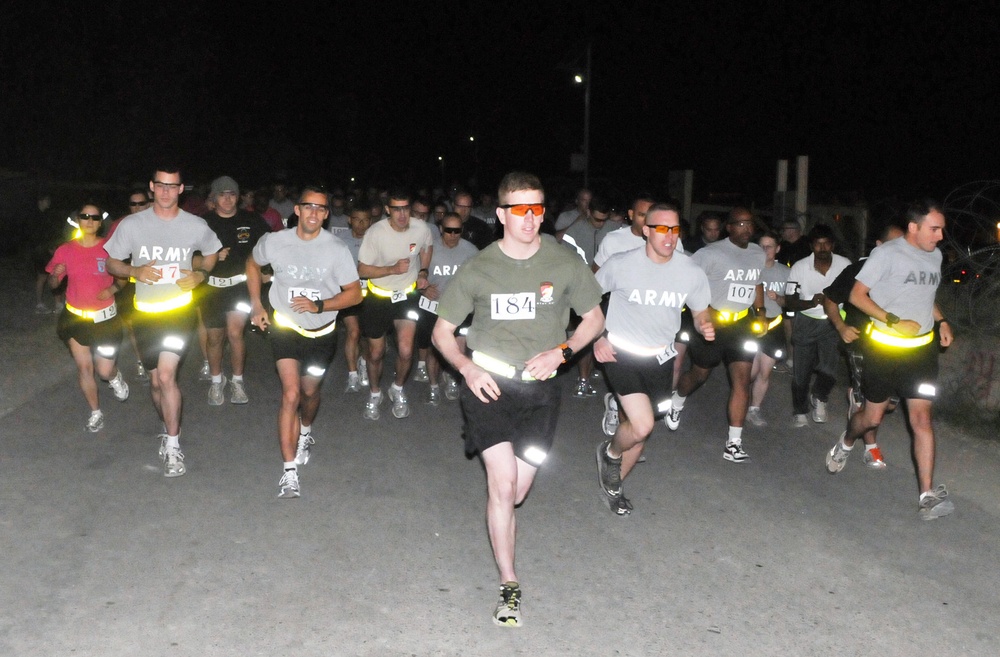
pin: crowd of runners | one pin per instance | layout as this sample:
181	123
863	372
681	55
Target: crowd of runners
487	304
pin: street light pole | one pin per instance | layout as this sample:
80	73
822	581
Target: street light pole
586	124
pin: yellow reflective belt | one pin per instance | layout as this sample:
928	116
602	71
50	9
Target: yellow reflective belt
284	322
774	322
382	292
86	314
729	317
164	306
897	340
497	366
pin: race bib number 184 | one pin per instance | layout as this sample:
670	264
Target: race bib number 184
512	306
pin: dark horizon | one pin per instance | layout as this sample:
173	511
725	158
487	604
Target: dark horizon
885	100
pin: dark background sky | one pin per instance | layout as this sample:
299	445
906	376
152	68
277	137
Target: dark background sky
887	98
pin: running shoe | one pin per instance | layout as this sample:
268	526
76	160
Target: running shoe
451	391
304	449
836	458
623	507
239	393
434	395
583	389
288	487
874	460
96	421
353	382
420	375
508	612
819	409
119	387
755	418
609	424
206	372
140	372
173	462
734	452
400	407
217	393
673	418
609	472
163	446
800	420
363	371
371	406
935	504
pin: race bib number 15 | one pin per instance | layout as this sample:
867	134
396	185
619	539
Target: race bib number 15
512	306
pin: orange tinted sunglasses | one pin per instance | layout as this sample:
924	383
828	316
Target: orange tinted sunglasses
521	209
665	230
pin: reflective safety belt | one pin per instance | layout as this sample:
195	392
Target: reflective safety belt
164	306
729	317
774	322
634	349
898	340
96	315
497	366
284	322
382	292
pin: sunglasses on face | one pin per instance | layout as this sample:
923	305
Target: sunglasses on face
521	209
88	217
665	230
452	231
133	204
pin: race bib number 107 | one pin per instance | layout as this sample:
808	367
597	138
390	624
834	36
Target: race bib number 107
512	306
741	293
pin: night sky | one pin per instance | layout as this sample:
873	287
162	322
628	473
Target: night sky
887	98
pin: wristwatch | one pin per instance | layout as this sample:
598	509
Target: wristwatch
891	319
566	351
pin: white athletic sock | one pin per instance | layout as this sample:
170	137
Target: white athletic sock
736	434
677	402
421	363
305	429
290	465
869	448
216	378
352	375
237	379
753	408
397	388
174	441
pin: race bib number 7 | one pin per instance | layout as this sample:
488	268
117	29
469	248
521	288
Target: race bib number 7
741	293
512	306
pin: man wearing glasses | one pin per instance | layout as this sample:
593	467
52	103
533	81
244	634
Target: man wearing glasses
395	257
161	242
520	291
314	278
449	255
734	268
649	287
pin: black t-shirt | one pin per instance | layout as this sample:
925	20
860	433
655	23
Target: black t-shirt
478	232
240	233
792	253
839	291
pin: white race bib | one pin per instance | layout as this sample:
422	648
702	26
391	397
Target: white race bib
397	296
106	313
512	306
428	305
741	293
665	355
307	292
169	273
